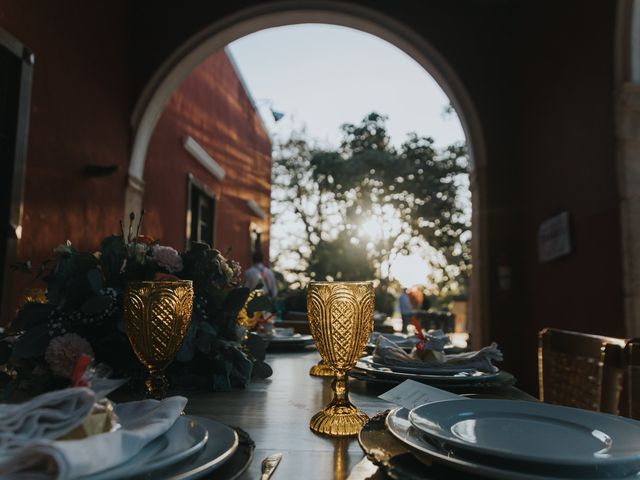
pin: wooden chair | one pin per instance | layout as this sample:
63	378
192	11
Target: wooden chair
580	370
632	372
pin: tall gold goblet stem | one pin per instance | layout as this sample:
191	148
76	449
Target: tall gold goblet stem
341	320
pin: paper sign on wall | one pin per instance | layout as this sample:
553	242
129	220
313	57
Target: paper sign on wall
554	237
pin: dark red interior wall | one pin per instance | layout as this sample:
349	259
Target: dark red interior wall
211	106
81	101
568	153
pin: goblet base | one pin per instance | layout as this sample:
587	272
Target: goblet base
157	385
321	369
338	420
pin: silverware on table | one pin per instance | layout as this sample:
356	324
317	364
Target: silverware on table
269	465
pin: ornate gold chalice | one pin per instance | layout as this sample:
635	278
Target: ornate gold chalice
157	315
341	320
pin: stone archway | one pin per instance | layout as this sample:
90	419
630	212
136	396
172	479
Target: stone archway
216	36
627	111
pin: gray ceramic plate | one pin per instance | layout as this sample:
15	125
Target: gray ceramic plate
398	424
185	438
366	364
535	433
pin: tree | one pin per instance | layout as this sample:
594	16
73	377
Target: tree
362	204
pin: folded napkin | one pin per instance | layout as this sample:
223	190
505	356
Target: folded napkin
388	353
142	422
44	417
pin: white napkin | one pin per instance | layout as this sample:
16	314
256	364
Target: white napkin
388	353
141	422
47	416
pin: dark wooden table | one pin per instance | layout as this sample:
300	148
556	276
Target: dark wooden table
276	413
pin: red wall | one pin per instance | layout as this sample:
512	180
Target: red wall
569	159
81	102
211	106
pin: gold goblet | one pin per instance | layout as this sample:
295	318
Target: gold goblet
341	320
157	315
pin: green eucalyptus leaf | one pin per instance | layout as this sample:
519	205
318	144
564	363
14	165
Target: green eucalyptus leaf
96	305
30	315
259	304
256	346
221	381
95	280
206	327
204	341
235	300
32	343
262	369
5	352
186	352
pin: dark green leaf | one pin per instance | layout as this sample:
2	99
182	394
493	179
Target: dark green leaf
30	315
95	280
259	304
235	300
32	343
97	304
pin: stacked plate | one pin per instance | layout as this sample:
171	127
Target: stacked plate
192	448
518	440
295	341
458	380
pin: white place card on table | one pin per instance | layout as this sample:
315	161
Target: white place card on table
411	394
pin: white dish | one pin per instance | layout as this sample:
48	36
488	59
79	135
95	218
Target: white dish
184	439
535	433
399	426
216	453
290	339
366	364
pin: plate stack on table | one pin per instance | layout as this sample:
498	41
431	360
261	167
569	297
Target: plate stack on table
63	434
390	363
464	381
285	339
502	439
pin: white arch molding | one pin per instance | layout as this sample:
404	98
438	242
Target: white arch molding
219	34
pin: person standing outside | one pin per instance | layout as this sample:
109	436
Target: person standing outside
258	273
405	309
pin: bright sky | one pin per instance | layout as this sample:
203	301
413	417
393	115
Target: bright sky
322	76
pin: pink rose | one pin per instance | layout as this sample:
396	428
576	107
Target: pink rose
63	353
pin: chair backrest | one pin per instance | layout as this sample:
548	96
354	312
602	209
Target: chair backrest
580	370
632	368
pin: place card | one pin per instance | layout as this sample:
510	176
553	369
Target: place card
411	394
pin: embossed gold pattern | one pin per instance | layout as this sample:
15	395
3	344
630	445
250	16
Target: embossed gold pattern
341	320
243	319
321	369
34	295
157	315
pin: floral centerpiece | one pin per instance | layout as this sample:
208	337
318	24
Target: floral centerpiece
84	316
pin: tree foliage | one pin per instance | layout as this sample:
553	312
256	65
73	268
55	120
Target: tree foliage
411	194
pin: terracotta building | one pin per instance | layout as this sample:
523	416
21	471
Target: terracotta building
208	170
